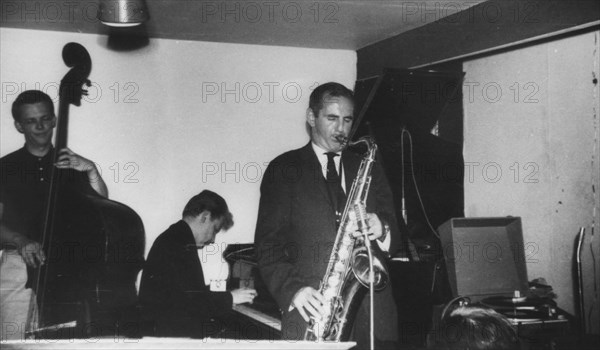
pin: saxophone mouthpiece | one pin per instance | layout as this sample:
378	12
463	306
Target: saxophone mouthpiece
343	140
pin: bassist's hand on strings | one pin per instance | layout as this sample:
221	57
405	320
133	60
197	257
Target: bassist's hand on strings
309	303
68	159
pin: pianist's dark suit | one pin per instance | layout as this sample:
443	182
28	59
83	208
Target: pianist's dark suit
175	300
296	230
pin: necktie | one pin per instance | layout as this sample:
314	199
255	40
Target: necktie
332	174
334	186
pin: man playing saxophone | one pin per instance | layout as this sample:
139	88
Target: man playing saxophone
303	194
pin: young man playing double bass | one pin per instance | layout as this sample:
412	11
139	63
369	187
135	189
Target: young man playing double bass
25	176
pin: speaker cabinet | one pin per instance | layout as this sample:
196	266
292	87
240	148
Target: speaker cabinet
484	256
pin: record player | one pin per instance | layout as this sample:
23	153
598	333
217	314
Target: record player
486	264
520	310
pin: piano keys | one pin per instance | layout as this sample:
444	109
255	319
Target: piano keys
262	318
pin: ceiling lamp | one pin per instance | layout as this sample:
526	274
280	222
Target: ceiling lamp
122	13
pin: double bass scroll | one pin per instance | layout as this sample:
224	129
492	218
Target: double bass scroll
95	246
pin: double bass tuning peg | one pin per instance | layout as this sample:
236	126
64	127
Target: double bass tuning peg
88	83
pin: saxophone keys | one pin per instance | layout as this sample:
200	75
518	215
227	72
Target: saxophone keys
347	240
329	294
339	266
333	281
343	255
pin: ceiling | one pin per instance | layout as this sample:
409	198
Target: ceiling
345	24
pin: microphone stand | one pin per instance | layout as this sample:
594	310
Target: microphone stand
582	326
362	224
371	300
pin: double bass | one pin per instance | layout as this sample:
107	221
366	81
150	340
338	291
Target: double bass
94	246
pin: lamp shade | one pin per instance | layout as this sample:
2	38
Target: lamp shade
122	13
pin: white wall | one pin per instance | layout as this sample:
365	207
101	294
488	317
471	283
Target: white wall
174	140
541	132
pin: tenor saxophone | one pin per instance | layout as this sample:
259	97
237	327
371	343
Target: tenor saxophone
348	274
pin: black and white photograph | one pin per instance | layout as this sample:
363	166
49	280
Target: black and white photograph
300	174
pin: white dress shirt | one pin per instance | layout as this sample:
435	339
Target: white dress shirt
322	156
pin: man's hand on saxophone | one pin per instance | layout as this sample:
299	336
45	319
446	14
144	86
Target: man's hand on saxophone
309	303
375	228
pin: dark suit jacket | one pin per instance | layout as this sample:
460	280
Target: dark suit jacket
175	300
296	229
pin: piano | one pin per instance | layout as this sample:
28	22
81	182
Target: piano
262	318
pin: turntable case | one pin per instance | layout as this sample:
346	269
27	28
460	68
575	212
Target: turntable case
484	256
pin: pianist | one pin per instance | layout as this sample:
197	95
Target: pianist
175	300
